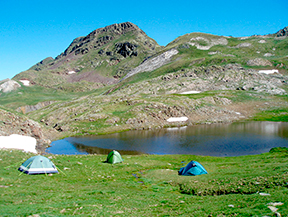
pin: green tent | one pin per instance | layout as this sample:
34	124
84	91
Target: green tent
114	157
38	165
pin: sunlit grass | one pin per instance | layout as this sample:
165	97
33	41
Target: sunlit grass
145	185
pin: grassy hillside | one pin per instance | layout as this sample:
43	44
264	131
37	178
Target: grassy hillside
146	185
235	50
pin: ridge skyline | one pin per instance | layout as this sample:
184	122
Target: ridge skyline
36	31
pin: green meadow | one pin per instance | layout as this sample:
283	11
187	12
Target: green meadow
146	185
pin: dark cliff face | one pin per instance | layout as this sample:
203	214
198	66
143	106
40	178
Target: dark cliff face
100	37
282	32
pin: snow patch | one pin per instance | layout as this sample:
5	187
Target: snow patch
20	142
71	72
191	92
25	82
177	119
268	71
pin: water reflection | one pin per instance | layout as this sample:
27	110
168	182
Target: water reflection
214	140
96	150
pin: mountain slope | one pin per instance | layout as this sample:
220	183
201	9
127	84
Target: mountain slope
101	57
203	50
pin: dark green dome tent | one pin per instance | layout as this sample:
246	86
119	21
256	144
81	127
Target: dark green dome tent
192	169
38	165
114	157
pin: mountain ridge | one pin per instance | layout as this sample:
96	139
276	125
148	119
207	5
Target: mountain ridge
107	55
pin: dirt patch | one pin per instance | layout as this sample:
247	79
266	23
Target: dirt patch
91	77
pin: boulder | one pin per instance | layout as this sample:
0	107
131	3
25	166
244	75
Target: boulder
243	45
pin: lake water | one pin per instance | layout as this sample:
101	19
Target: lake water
245	138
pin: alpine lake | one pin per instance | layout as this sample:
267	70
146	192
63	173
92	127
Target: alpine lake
241	138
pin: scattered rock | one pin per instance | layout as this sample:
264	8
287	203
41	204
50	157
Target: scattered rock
243	45
277	214
268	55
259	62
112	120
272	208
276	204
264	194
203	43
262	41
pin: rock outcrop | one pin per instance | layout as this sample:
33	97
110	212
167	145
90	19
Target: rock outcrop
282	32
42	63
259	62
230	77
12	124
203	43
126	49
9	86
30	108
154	63
95	40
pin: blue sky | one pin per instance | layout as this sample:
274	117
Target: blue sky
33	30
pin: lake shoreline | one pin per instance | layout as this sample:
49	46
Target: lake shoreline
219	140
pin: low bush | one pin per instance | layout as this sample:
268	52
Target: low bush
234	185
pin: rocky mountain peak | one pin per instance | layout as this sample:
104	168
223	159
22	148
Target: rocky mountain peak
99	37
118	28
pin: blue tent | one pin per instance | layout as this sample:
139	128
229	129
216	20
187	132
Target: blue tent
192	169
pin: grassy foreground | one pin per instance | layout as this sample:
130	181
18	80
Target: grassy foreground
146	185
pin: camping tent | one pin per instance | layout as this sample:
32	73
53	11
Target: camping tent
38	165
192	169
114	157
